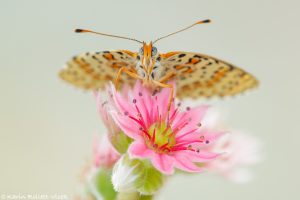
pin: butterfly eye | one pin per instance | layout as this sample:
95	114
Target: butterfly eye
154	51
141	51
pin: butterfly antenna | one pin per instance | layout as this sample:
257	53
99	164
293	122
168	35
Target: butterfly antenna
109	35
199	22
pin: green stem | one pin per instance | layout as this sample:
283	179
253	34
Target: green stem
133	196
149	197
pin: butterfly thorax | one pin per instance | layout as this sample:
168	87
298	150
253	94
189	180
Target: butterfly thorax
148	64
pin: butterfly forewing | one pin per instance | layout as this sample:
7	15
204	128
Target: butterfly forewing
199	75
93	70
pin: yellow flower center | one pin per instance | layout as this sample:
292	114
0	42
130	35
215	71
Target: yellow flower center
160	137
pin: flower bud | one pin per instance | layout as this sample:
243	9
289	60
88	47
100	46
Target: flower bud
133	175
127	174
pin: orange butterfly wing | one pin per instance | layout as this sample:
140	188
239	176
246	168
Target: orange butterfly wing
93	70
199	75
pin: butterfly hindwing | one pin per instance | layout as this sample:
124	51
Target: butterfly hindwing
93	70
199	75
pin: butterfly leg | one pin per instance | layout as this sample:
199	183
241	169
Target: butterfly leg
167	77
163	85
124	69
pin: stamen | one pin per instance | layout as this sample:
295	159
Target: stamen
181	119
154	92
103	104
168	118
178	148
138	121
138	111
165	131
147	111
163	146
188	142
153	136
159	121
187	133
178	128
147	134
173	115
157	111
172	134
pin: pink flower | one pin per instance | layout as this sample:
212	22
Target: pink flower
118	139
103	108
240	150
104	154
169	139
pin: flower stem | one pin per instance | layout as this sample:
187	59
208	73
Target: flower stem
149	197
133	196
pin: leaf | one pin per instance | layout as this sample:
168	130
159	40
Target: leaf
103	184
152	181
121	142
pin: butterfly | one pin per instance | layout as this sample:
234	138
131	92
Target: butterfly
196	75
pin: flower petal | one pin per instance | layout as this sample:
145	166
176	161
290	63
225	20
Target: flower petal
193	116
196	114
184	163
211	136
163	163
129	127
202	156
138	149
122	103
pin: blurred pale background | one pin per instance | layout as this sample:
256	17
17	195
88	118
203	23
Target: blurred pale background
47	126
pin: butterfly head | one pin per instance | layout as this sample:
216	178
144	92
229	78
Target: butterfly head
148	57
